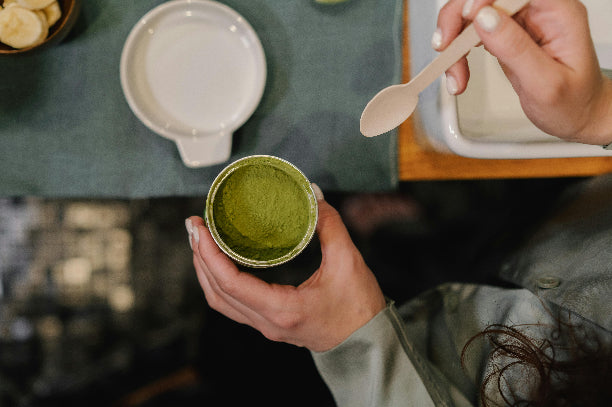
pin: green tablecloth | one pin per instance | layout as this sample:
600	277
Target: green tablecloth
67	131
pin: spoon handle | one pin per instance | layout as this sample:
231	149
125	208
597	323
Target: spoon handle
459	47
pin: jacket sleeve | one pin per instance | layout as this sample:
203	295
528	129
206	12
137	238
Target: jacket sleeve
377	366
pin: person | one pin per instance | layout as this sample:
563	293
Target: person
464	344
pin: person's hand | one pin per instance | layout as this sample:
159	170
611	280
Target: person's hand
547	54
340	297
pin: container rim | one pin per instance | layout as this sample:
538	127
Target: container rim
288	168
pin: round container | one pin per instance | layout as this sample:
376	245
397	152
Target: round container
194	72
261	211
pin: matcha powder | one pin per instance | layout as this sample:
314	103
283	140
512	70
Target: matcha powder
261	212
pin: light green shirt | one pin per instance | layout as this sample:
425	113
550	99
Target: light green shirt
411	355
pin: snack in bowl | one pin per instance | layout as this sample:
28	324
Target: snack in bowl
26	25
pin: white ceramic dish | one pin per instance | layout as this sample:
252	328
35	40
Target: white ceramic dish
194	71
487	120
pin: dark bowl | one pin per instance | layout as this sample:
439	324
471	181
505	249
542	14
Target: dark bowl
57	32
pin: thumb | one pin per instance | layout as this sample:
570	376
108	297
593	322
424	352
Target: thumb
332	233
516	51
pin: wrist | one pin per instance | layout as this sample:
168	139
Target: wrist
363	330
599	129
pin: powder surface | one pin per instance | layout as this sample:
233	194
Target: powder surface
261	212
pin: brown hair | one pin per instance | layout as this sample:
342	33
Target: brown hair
571	366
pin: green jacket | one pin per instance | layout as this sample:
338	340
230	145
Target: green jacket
411	355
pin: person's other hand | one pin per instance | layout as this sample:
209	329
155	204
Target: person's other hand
340	297
547	54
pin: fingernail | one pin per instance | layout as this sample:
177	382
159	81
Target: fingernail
488	19
317	191
196	235
189	227
467	8
451	85
436	39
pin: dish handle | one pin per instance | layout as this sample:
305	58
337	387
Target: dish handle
201	151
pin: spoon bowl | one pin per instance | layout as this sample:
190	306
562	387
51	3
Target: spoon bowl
388	109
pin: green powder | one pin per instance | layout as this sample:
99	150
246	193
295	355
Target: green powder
261	212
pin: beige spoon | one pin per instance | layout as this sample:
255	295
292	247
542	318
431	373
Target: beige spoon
394	104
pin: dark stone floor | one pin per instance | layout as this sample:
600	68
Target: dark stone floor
100	304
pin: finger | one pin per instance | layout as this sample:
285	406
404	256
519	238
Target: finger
189	226
450	23
241	296
340	258
274	323
514	48
331	230
449	26
457	77
217	297
207	248
214	300
471	7
248	290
